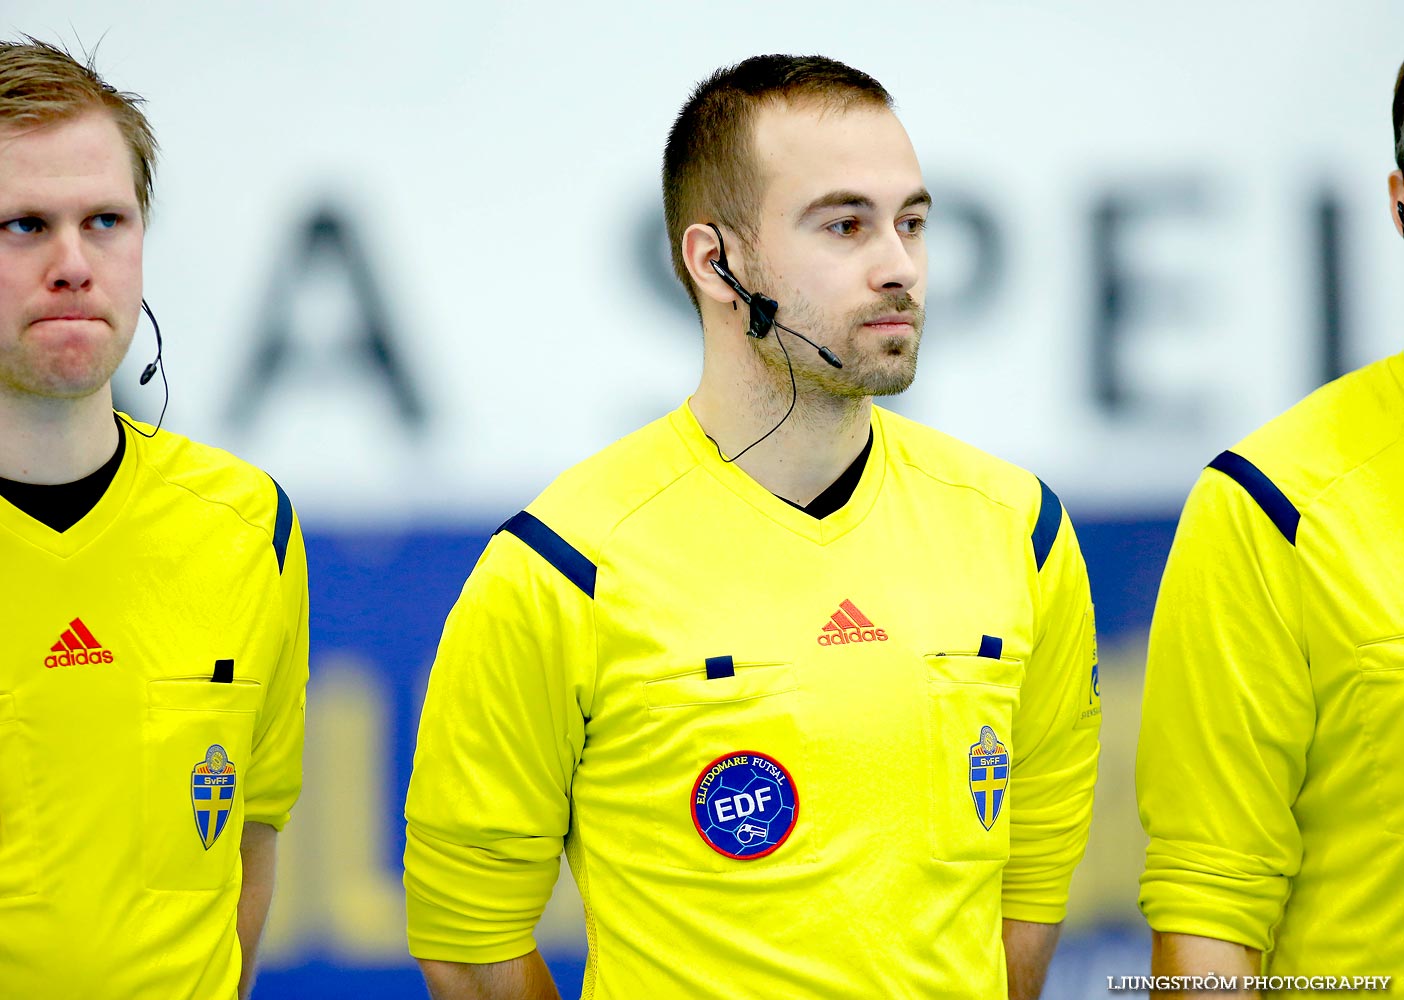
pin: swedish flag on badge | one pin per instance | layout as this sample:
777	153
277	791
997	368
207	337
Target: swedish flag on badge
212	793
989	776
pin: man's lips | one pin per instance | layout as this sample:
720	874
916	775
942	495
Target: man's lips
68	318
891	320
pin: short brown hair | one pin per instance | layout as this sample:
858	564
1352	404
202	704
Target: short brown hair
41	84
709	170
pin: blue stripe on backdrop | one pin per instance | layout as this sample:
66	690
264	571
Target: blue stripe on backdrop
326	981
379	599
1124	563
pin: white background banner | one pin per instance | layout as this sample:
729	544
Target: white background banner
410	257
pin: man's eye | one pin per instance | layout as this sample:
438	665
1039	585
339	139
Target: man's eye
844	227
28	224
107	220
912	226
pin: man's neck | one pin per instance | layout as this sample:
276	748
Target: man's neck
50	441
805	455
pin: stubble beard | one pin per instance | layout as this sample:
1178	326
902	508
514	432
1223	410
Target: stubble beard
873	364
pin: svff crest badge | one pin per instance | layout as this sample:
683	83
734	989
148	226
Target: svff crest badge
989	776
212	784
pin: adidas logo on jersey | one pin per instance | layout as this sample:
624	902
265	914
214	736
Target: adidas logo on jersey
848	624
76	647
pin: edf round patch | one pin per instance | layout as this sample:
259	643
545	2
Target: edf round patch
744	804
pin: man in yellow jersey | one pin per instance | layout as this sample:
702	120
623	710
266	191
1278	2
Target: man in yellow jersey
806	690
153	657
1269	772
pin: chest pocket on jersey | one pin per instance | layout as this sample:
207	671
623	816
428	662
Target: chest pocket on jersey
696	723
972	753
18	852
195	761
1380	710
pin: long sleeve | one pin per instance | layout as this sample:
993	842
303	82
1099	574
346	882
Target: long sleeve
1227	720
1056	728
501	733
275	772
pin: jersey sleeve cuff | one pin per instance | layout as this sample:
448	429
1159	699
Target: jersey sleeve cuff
431	944
1236	906
274	819
468	904
1034	912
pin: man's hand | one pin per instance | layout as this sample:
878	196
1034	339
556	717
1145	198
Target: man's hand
525	978
1028	948
258	850
1188	955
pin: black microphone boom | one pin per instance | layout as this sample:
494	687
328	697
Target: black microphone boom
149	372
824	352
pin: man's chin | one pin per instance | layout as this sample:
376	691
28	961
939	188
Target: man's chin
61	384
892	376
893	387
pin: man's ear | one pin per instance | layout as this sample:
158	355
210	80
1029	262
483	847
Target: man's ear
1396	200
700	246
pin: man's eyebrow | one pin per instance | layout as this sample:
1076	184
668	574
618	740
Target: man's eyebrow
838	199
23	210
852	199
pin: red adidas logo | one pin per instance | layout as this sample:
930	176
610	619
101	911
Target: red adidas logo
848	624
76	647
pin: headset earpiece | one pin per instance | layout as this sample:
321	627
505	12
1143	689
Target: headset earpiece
763	308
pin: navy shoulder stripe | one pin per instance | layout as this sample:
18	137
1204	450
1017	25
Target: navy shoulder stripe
1050	518
1281	511
554	549
282	525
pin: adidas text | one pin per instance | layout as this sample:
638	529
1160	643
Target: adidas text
852	635
81	658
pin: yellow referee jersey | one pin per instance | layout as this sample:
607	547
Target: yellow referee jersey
152	667
787	757
1269	772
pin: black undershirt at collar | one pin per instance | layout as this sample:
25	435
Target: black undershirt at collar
840	491
63	505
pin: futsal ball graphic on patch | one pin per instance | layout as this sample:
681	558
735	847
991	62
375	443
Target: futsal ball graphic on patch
744	804
212	794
